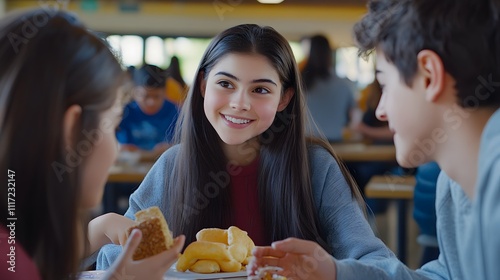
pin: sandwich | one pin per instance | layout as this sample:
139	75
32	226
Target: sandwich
156	236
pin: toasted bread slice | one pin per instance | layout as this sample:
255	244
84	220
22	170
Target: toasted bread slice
156	236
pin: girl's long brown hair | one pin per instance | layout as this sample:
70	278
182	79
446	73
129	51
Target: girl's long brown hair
48	62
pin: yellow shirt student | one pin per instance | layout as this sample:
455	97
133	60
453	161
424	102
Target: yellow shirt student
174	92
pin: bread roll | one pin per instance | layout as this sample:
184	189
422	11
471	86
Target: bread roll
238	236
202	250
212	235
224	250
205	266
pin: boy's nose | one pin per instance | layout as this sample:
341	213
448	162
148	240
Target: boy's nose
380	112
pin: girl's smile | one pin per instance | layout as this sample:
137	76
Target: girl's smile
236	122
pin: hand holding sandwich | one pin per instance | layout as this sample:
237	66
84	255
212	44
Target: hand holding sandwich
149	249
150	268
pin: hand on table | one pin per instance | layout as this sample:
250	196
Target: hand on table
299	259
150	268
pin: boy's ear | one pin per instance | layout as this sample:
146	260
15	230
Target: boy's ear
285	99
432	70
71	119
203	83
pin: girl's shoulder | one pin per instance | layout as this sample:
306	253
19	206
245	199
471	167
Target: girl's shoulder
171	152
168	157
327	176
319	152
321	157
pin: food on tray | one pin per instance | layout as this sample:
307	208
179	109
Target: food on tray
236	236
156	237
205	266
217	250
266	273
202	250
212	235
238	251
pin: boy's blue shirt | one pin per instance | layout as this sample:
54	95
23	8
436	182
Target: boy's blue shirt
145	131
481	254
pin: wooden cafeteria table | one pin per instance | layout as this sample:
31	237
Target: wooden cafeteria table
122	181
391	187
354	152
128	173
399	188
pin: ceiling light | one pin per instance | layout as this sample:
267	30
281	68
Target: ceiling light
270	1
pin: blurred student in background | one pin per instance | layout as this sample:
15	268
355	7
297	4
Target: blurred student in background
373	130
176	86
149	120
59	105
330	99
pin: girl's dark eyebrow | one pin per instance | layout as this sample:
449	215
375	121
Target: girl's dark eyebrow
264	81
254	81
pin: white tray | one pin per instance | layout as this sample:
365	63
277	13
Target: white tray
173	274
